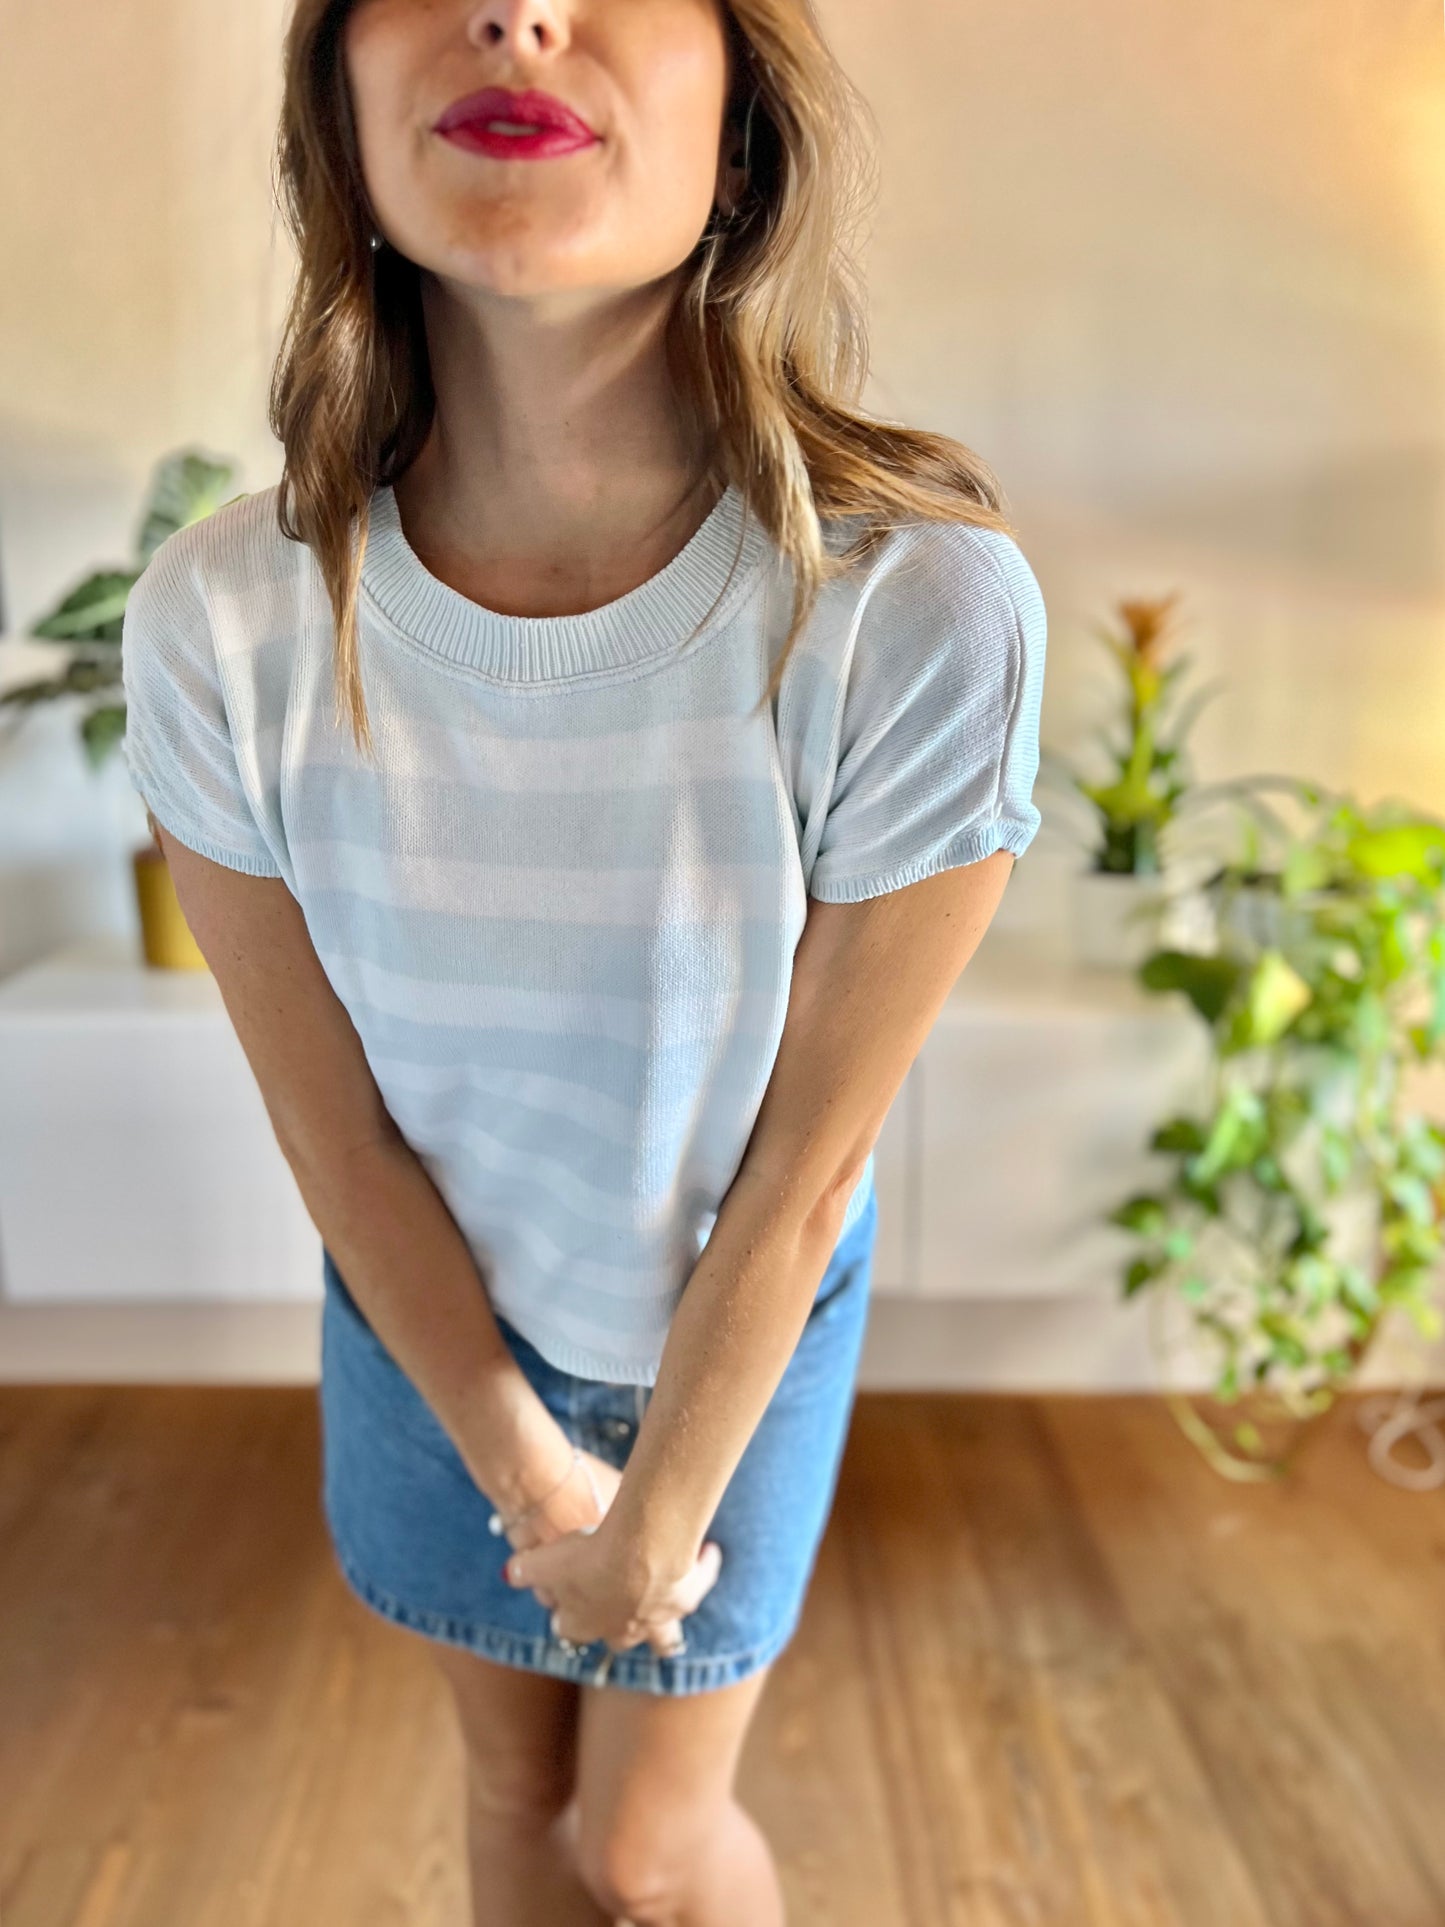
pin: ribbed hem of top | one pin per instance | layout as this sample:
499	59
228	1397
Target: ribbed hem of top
695	591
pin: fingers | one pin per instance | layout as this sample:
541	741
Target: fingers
665	1639
691	1591
663	1629
687	1595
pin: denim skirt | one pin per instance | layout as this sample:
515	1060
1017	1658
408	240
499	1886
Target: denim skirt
409	1525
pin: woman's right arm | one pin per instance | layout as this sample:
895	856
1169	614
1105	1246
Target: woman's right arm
395	1242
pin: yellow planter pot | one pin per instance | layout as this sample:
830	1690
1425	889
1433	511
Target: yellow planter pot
165	935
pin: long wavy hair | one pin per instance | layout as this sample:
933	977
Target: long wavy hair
767	341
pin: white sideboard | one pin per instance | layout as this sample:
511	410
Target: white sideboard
1026	1118
137	1161
138	1165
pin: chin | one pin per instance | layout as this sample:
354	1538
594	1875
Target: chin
520	257
519	276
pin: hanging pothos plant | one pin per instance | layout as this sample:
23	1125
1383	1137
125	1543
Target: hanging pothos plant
1327	984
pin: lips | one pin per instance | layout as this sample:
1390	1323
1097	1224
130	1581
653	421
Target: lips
514	125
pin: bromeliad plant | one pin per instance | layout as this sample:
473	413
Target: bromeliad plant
1148	784
186	487
1326	985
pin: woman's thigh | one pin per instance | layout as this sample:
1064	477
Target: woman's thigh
653	1771
519	1730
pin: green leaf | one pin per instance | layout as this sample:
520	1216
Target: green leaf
1313	1233
1306	867
1337	1157
102	729
1413	1196
1358	1288
1275	997
92	611
1315	1277
1203	1191
1399	1283
1422	1147
1412	1244
1140	1273
1144	1214
1400	849
1178	1134
188	486
1208	982
1236	1138
1286	1343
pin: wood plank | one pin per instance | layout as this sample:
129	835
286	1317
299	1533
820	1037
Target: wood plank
1243	1596
1052	1670
1107	1785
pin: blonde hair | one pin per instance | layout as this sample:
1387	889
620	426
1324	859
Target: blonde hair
767	341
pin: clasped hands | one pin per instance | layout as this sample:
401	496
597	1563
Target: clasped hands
597	1584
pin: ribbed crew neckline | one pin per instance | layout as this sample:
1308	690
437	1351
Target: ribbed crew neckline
650	621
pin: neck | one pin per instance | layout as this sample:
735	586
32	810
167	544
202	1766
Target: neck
556	425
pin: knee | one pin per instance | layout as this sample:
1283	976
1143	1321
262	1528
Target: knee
639	1869
511	1796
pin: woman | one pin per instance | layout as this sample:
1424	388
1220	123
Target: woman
586	773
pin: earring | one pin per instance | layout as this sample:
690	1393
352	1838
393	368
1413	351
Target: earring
377	242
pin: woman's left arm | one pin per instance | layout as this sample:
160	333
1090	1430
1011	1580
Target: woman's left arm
929	806
869	981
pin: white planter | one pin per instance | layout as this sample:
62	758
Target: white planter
1115	918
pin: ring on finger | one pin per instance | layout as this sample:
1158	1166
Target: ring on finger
567	1645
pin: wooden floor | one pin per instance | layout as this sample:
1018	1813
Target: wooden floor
1052	1670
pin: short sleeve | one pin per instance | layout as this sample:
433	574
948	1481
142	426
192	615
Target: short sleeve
939	742
178	741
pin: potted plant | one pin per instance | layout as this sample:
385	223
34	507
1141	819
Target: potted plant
1120	898
1305	1198
86	623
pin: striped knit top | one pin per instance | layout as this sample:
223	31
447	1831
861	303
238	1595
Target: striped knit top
561	904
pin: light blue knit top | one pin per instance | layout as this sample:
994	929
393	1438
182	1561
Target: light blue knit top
561	906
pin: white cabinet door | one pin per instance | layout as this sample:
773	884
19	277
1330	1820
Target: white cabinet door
1031	1125
137	1161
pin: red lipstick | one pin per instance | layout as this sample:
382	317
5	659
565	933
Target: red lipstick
514	126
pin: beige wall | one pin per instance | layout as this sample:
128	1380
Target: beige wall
1177	271
143	274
